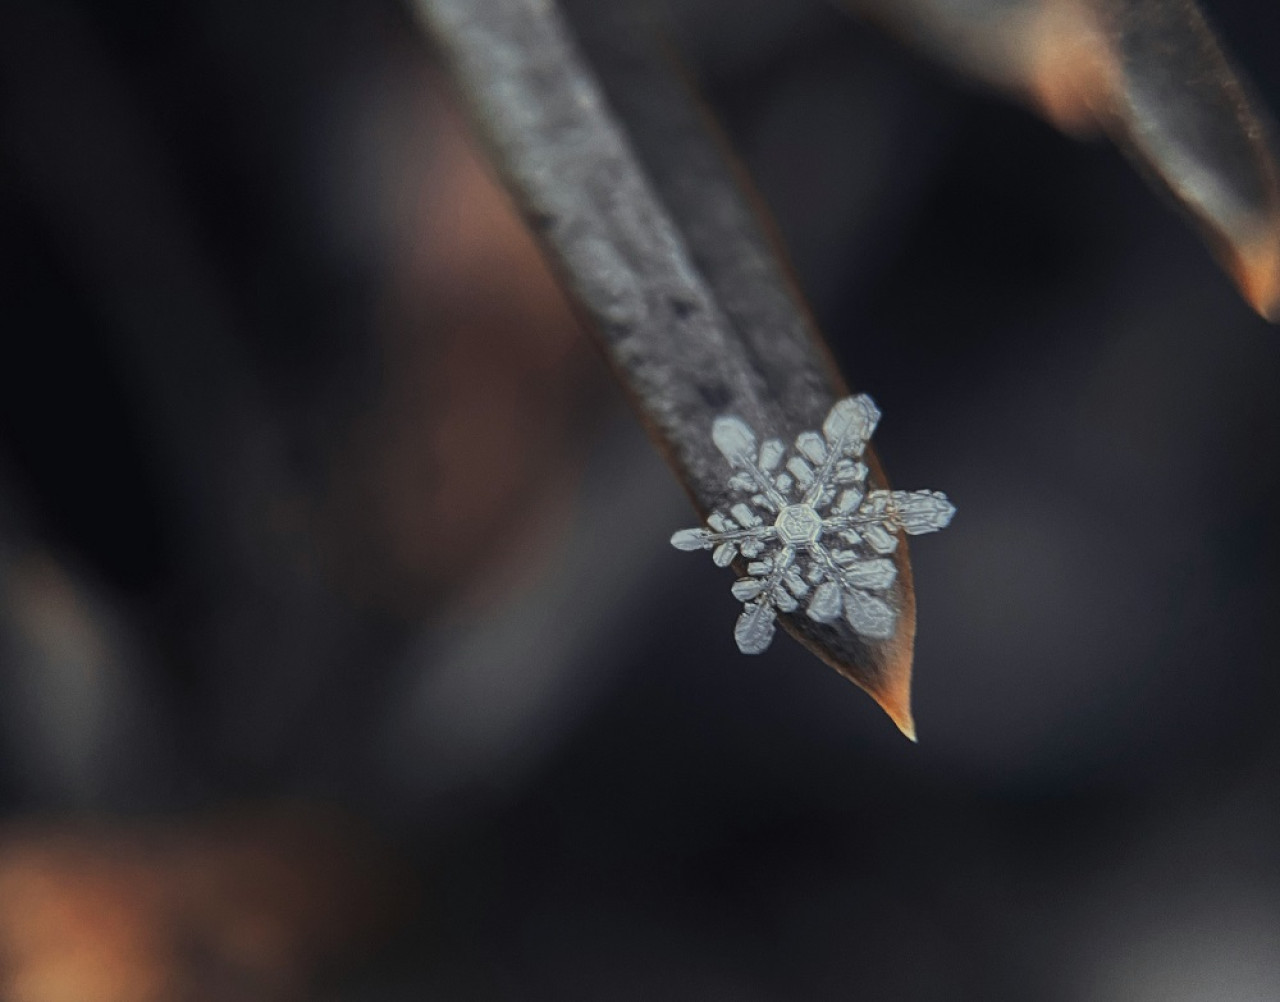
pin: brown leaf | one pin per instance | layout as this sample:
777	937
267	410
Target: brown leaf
1150	74
648	221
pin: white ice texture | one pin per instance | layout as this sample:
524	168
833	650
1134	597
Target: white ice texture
808	527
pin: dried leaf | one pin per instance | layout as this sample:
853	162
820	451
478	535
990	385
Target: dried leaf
630	190
1149	73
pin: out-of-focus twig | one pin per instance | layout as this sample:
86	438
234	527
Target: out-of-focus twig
1151	74
684	292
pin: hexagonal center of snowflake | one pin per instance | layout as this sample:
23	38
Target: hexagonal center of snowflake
798	525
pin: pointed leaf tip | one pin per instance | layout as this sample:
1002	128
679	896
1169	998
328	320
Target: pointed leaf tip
1256	268
902	719
895	700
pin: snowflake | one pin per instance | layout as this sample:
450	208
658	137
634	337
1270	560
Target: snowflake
823	536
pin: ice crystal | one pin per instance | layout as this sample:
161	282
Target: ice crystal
809	528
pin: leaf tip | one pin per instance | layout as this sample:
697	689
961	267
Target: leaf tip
1256	268
897	704
893	694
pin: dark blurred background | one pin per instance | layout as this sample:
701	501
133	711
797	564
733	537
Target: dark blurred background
342	653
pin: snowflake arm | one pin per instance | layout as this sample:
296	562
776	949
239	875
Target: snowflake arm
829	540
847	430
737	443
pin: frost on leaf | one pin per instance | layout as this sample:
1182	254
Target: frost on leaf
812	532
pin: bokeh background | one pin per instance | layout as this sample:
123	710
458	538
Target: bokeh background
342	653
